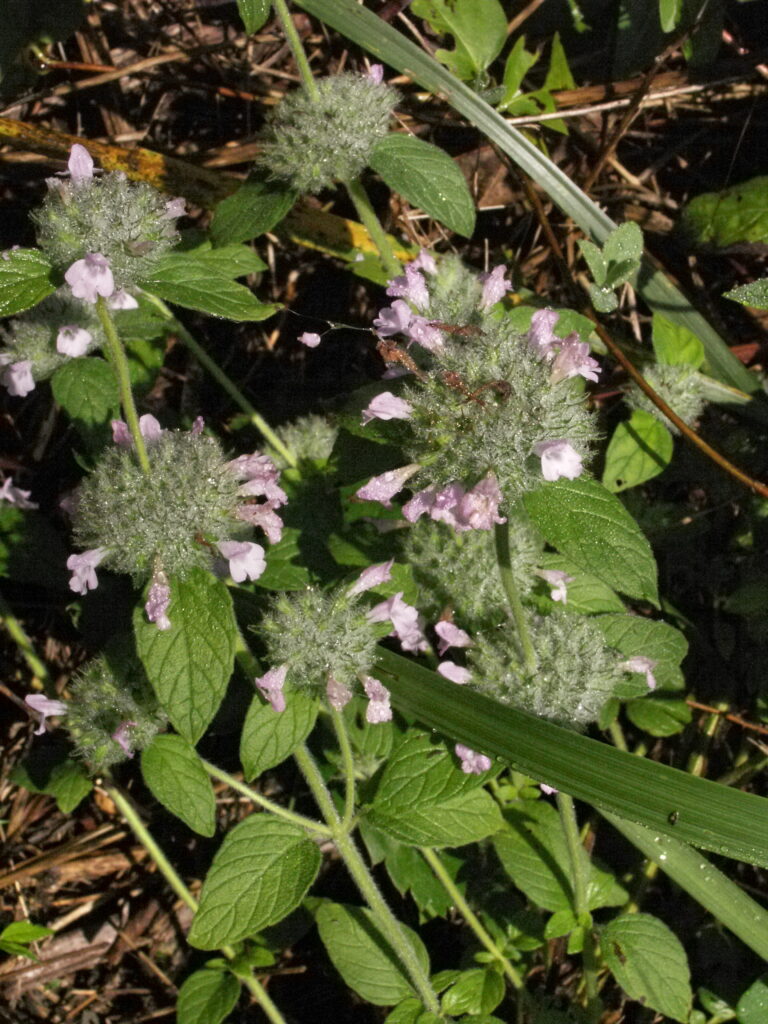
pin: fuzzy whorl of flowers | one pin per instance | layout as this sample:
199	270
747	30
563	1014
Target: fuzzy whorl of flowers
108	719
679	386
575	672
314	141
171	516
308	437
131	224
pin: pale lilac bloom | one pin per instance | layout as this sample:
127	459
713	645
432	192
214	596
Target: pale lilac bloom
44	706
261	476
121	435
411	286
541	336
150	428
495	286
573	360
158	600
424	333
558	459
378	709
198	426
264	516
80	165
425	261
246	560
438	505
83	569
122	300
73	341
6	253
547	790
386	406
472	763
451	636
384	487
271	685
558	581
420	504
393	319
478	509
15	496
338	694
175	208
642	665
90	277
454	673
121	736
405	620
310	339
18	379
372	577
376	74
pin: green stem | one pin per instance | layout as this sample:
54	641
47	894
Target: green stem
167	870
580	879
387	922
225	382
294	41
120	366
501	537
348	765
281	812
18	634
367	215
431	857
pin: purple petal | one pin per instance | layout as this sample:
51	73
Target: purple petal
495	286
372	577
271	685
387	406
378	709
451	636
18	379
383	488
455	673
472	763
246	560
310	339
80	164
90	277
83	569
337	693
558	459
73	341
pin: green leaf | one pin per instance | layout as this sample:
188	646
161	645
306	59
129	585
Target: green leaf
207	997
519	62
623	250
590	525
283	572
229	260
479	28
674	344
260	874
476	991
427	177
659	716
649	962
670	12
183	279
258	205
752	1008
48	769
635	635
363	957
736	215
190	664
715	817
640	449
754	294
86	389
597	263
24	931
25	279
587	595
254	13
269	738
175	776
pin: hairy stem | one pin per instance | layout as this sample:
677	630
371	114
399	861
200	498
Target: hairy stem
281	10
120	366
367	215
348	765
501	537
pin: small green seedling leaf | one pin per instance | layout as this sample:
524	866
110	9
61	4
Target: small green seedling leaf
25	280
640	448
207	997
268	738
254	13
175	776
479	28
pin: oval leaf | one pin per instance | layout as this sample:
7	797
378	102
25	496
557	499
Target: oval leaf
207	997
640	449
254	13
86	390
190	664
257	206
176	777
25	279
268	738
428	178
260	874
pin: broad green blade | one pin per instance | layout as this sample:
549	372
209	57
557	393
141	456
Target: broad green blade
668	801
367	30
702	880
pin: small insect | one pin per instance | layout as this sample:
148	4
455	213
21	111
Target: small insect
468	331
391	352
454	381
672	817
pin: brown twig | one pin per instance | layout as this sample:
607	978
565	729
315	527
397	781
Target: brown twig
736	719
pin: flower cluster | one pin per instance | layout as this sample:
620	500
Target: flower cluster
192	507
313	139
681	387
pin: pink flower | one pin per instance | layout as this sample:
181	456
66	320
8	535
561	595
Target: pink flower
150	428
405	619
384	487
558	459
246	560
6	253
547	790
121	435
263	515
83	569
455	673
471	762
15	496
387	406
410	286
122	300
338	694
18	379
451	636
80	165
261	476
121	737
271	685
574	359
376	74
642	665
425	261
541	336
371	577
44	706
310	339
90	277
393	319
73	341
158	600
558	580
495	286
198	426
175	208
478	509
424	333
378	709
